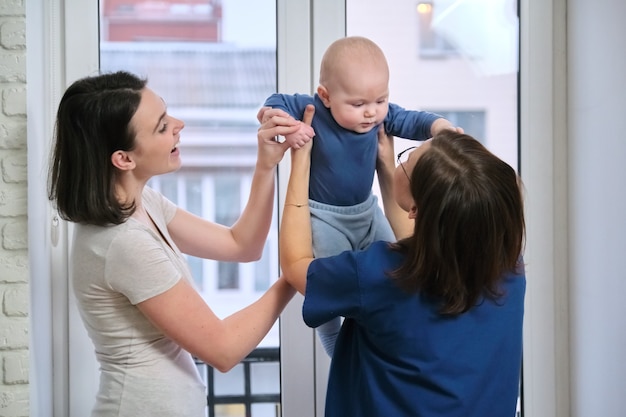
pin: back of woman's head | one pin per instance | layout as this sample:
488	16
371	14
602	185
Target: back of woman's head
469	228
93	121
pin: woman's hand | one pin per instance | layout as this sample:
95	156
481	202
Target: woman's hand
274	123
386	156
385	170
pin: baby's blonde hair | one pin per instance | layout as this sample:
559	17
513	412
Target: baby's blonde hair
349	51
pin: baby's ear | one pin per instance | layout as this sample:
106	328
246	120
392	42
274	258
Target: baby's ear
323	93
413	212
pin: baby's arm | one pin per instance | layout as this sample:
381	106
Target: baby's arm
415	124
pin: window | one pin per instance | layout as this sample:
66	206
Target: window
431	44
55	24
469	91
214	77
137	20
473	122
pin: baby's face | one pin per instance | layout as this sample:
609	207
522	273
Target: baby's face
360	100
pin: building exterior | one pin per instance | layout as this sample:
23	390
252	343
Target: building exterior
167	20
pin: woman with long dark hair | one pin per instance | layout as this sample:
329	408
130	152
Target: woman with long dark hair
433	321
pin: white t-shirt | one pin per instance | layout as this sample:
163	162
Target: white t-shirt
142	372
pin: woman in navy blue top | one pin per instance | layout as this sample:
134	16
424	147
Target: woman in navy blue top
433	322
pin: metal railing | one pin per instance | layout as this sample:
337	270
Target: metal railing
247	398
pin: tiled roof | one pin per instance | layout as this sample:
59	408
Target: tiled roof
200	75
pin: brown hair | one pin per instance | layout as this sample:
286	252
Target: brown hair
469	228
93	121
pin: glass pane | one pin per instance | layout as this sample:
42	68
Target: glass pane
261	277
458	59
193	187
473	122
214	63
230	410
228	276
265	378
266	409
169	187
231	382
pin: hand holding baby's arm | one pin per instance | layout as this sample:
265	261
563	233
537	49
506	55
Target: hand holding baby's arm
297	139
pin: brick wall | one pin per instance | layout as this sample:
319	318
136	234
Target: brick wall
14	289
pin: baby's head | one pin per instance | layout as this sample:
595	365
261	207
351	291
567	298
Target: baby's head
354	83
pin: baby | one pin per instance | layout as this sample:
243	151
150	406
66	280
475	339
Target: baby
351	103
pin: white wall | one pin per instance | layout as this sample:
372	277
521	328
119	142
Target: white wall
597	206
14	270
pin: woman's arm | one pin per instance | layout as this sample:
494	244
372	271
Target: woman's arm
295	241
243	241
385	169
183	316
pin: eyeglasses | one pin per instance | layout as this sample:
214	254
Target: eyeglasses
403	157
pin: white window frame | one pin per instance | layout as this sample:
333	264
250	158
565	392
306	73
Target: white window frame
62	46
543	156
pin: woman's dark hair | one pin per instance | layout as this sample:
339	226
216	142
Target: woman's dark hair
469	228
93	121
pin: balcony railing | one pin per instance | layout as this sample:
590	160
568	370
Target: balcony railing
251	389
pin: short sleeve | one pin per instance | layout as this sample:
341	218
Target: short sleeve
294	104
332	289
156	201
140	267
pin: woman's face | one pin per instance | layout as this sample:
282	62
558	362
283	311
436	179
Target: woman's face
157	137
402	189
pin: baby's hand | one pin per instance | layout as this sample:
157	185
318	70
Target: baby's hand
301	137
443	124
